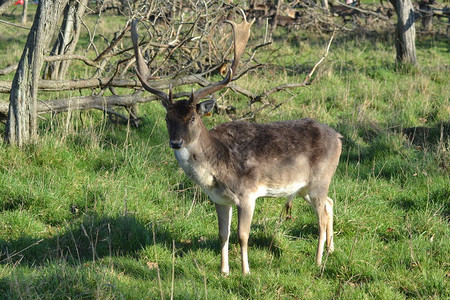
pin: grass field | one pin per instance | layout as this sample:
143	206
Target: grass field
102	210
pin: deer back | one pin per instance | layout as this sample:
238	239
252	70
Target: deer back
276	159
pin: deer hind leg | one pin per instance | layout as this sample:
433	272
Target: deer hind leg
330	241
288	207
324	209
224	214
245	214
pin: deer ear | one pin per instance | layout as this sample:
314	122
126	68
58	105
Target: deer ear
205	107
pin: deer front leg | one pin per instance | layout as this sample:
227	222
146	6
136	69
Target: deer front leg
245	214
224	214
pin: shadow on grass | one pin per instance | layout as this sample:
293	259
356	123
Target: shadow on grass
259	238
380	141
426	137
93	238
307	231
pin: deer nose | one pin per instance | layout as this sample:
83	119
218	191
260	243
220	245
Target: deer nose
176	144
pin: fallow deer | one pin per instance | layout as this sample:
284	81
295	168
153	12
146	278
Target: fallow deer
237	162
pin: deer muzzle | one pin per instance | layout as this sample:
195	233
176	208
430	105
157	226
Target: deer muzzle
176	143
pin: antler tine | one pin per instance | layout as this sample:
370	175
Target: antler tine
140	63
170	93
241	33
208	90
142	69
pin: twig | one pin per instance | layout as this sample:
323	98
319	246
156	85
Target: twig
15	25
84	59
90	242
414	259
24	249
173	269
321	60
157	265
114	42
368	12
305	82
204	278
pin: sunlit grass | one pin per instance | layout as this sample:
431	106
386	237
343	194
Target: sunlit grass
98	210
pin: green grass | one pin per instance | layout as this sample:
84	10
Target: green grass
101	210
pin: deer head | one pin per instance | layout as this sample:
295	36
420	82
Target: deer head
183	116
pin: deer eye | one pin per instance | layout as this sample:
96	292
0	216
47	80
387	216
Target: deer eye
192	119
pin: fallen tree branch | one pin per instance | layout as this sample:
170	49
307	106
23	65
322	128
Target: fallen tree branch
106	102
8	69
65	85
82	103
84	59
364	11
111	113
15	25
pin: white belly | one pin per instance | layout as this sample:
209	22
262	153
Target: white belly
202	175
219	198
282	191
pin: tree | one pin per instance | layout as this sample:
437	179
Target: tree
181	49
24	12
405	32
67	39
5	4
21	126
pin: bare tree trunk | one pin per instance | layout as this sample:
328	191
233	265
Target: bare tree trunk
25	12
67	39
405	32
275	17
21	126
4	6
427	18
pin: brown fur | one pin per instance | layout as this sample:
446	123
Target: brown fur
237	162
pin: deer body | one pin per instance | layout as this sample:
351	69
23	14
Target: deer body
235	163
264	160
238	162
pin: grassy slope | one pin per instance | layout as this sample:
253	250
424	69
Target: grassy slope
93	210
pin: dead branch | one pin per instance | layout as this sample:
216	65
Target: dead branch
54	58
84	59
365	11
307	81
9	69
15	25
65	85
83	103
179	51
114	42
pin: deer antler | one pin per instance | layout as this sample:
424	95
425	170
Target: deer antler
142	69
241	33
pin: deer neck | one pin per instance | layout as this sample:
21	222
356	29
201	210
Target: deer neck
194	159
